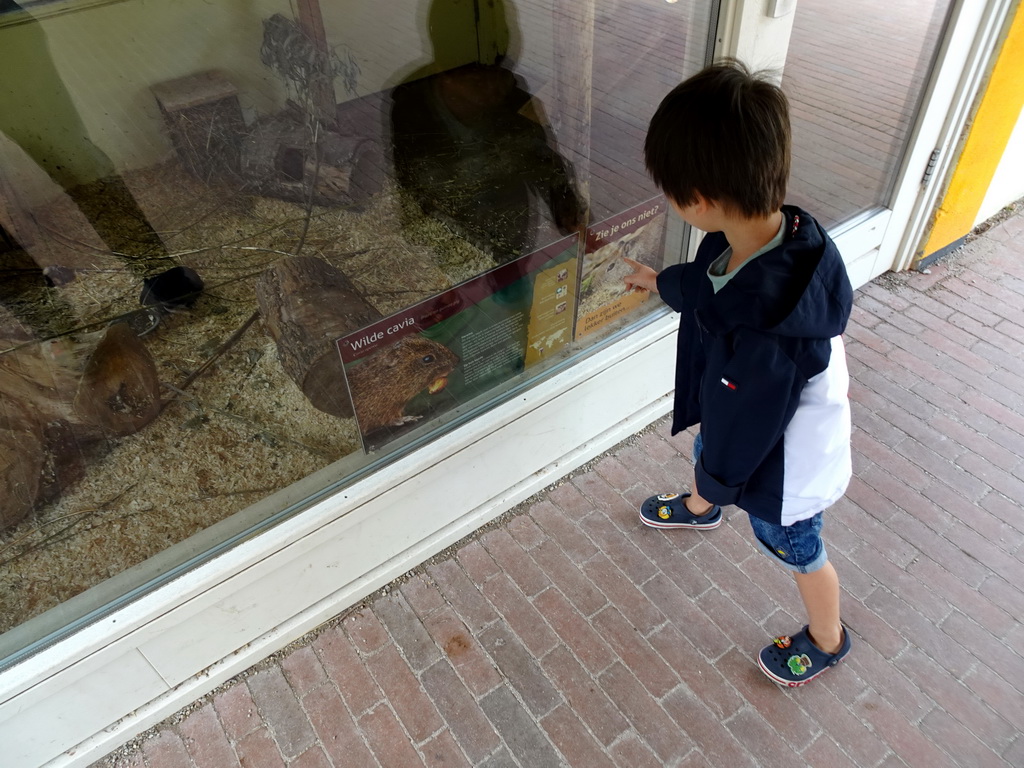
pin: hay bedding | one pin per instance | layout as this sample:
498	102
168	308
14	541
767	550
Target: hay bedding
243	429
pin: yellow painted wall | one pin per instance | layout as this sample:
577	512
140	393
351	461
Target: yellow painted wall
986	143
1008	184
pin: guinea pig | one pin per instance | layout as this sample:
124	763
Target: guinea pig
384	383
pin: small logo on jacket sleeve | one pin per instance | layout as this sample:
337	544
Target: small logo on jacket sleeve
729	384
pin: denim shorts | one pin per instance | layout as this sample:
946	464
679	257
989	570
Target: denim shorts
797	547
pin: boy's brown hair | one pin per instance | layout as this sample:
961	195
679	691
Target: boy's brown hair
723	134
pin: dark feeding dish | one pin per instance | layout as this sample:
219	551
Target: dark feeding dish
177	287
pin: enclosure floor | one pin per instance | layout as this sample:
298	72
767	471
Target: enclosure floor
570	634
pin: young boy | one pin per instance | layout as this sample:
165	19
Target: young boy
760	361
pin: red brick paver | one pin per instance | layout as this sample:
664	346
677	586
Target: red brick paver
572	635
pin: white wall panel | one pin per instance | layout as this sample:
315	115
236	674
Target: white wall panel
70	706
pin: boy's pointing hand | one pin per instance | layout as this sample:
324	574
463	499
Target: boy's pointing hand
641	278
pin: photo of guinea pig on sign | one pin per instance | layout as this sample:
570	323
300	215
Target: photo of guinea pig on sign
385	383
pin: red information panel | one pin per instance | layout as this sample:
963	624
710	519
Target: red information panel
442	352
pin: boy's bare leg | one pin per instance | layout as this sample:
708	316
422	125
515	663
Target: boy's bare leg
697	504
820	592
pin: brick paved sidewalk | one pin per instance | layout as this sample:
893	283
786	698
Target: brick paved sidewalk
570	635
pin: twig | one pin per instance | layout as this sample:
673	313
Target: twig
180	394
255	248
224	201
312	189
115	318
81	516
277	225
73	241
230	342
221	494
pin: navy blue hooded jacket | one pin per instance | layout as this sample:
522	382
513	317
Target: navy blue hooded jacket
745	357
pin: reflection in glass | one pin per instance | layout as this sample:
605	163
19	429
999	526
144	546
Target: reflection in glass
854	79
470	147
158	182
40	118
642	50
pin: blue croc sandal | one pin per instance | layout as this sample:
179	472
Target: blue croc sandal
795	661
668	510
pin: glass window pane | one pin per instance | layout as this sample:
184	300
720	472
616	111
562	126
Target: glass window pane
250	249
854	77
641	51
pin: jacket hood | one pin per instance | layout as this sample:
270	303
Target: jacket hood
798	289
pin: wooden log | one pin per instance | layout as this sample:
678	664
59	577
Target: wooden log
571	107
321	76
66	460
307	304
32	374
280	159
22	451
